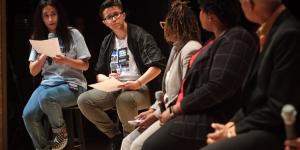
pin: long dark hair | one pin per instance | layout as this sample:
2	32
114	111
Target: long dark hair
40	31
182	21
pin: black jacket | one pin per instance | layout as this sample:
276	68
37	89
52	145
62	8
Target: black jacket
144	49
274	79
213	84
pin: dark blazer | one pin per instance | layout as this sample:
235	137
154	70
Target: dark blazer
212	84
274	79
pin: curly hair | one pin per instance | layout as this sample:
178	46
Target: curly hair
182	22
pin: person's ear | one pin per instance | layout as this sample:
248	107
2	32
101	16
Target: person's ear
251	4
104	22
124	15
210	19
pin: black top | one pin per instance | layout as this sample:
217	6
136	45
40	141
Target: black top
275	79
213	84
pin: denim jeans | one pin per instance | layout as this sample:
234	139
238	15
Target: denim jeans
49	101
94	103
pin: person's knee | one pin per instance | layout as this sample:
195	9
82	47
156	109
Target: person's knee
126	99
81	101
45	100
27	116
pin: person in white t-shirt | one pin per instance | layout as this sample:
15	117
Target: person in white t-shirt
131	55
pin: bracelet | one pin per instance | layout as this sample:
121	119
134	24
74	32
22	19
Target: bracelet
229	134
172	110
175	113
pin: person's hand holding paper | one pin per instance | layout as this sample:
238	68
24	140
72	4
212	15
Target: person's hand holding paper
48	47
61	59
108	85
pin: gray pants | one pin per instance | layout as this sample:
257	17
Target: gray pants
94	103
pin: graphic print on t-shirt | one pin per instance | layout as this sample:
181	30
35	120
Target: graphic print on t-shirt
119	60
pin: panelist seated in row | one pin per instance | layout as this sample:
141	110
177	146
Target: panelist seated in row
212	84
273	82
181	29
130	54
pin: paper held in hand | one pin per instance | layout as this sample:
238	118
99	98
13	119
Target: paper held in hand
48	47
108	85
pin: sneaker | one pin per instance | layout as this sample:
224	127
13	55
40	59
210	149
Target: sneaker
116	142
60	140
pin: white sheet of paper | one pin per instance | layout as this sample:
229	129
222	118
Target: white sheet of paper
48	47
108	85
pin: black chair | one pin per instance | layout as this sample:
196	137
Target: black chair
73	119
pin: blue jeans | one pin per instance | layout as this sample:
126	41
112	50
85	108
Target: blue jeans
47	100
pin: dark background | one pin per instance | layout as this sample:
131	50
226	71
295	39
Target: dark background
146	13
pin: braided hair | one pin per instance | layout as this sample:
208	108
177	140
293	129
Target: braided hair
182	22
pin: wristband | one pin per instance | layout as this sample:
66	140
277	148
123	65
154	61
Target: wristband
229	134
172	110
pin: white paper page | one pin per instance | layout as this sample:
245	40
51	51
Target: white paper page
48	47
108	85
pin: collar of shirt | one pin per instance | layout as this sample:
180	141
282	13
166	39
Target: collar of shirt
264	29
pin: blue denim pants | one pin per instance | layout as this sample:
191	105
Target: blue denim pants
49	101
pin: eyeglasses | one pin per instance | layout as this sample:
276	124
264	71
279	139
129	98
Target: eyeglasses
162	24
113	16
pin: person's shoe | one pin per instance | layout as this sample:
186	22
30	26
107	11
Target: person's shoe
116	142
60	140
